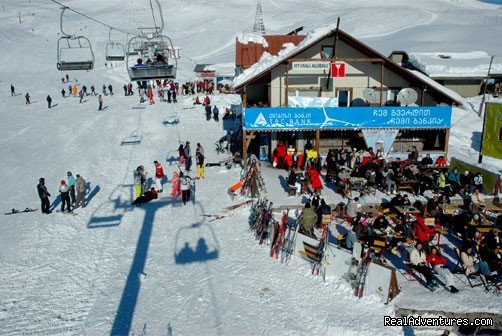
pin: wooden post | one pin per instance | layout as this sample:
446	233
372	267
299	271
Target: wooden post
381	84
244	97
317	140
246	141
287	84
447	139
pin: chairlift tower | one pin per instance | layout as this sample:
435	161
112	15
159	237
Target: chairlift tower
259	27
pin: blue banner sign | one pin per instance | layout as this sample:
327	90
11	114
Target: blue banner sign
289	118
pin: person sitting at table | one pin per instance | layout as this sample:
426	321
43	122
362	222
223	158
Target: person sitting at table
406	201
293	181
307	220
380	223
454	179
441	161
314	179
419	262
477	182
465	183
427	160
413	156
477	199
396	201
422	232
323	212
438	263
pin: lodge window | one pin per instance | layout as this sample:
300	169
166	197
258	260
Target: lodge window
344	96
327	52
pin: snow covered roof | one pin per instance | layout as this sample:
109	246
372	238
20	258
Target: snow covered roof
258	38
432	83
203	67
455	64
267	62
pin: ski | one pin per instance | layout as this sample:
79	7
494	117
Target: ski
278	242
17	211
362	272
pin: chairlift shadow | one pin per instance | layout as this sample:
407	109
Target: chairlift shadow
116	202
55	203
284	183
139	106
133	139
172	159
93	193
200	247
171	121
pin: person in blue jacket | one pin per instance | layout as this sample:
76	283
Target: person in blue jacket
71	183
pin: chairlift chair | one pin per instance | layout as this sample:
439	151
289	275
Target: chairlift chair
114	50
73	42
148	44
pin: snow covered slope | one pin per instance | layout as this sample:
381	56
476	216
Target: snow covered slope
117	269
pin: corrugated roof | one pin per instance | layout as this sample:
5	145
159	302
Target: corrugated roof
247	54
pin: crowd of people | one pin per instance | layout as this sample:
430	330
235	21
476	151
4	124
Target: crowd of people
72	193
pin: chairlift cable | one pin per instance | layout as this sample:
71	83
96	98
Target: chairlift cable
92	19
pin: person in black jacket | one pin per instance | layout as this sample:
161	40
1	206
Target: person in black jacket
44	196
146	197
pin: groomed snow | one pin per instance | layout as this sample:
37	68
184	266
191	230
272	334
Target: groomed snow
113	268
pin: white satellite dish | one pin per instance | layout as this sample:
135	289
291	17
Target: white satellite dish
407	96
371	95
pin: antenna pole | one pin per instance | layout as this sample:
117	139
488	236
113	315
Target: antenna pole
486	85
333	56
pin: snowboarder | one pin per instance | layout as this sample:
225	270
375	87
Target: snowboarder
64	189
138	181
93	90
44	196
159	175
186	183
27	96
215	113
199	158
63	93
176	191
188	156
110	88
146	197
49	101
100	101
71	184
80	186
12	90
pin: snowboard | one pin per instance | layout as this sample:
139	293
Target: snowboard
16	211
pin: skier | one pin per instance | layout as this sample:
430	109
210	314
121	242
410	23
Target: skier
84	88
62	80
125	89
129	89
74	90
104	89
169	94
138	183
12	90
49	101
81	96
67	78
100	101
215	113
80	185
186	183
208	112
110	88
63	93
159	174
176	191
149	94
199	158
64	189
188	156
174	97
93	90
27	96
71	184
146	197
44	196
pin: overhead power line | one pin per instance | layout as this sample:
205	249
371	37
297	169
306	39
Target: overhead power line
93	19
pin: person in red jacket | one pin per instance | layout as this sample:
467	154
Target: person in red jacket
314	179
423	232
438	263
176	185
159	175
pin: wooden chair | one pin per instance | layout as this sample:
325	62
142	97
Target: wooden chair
292	190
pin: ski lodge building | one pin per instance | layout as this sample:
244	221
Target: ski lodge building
334	91
463	73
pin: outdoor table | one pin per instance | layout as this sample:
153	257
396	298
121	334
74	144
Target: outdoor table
371	210
449	209
407	184
410	210
495	208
